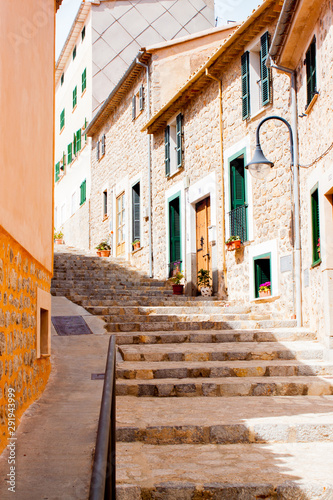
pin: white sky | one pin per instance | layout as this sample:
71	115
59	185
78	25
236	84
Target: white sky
233	10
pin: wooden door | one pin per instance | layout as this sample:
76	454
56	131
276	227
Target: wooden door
202	224
120	232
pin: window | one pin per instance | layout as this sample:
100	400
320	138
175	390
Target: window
83	33
69	153
74	97
105	204
256	78
120	223
62	119
136	212
57	172
84	80
74	53
63	163
62	79
174	145
103	145
137	102
315	226
97	151
311	79
238	205
262	272
77	142
174	234
83	194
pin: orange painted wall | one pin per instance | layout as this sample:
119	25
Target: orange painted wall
20	275
26	125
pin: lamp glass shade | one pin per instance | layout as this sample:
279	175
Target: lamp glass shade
259	167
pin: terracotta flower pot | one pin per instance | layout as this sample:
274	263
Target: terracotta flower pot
136	246
105	253
233	245
59	241
264	293
177	289
99	253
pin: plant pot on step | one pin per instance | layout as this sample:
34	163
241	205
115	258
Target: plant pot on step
177	289
206	291
99	253
59	241
105	253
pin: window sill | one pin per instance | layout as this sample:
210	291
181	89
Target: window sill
82	93
105	217
74	108
177	171
309	107
271	298
316	264
136	251
259	113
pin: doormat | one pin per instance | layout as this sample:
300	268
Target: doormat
70	325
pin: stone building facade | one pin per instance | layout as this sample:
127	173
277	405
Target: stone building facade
26	208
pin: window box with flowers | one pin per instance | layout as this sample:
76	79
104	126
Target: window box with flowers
265	289
233	243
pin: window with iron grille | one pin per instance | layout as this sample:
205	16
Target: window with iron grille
238	205
315	226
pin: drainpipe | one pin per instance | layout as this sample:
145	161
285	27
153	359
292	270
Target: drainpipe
222	180
297	242
149	173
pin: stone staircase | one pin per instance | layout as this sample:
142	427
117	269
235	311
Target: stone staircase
215	400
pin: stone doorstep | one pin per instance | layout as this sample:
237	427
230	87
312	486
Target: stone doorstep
216	369
174	318
278	334
293	471
153	311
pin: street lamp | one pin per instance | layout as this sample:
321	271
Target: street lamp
259	167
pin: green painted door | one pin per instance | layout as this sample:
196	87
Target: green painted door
174	230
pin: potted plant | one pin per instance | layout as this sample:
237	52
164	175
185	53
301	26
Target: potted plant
58	237
177	287
233	243
103	249
204	283
265	289
318	248
136	245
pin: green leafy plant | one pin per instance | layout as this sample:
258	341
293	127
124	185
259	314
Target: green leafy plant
203	277
103	246
135	242
233	238
176	279
58	235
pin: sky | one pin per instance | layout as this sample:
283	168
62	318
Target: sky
225	10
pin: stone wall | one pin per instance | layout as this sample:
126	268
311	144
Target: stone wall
20	275
124	163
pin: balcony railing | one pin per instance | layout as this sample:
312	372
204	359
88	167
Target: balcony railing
238	222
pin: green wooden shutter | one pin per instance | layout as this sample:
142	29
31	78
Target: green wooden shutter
85	128
57	172
174	218
179	122
262	273
311	79
74	145
237	178
62	119
136	211
133	107
69	153
83	192
265	72
84	80
141	98
78	140
315	226
167	150
74	97
245	85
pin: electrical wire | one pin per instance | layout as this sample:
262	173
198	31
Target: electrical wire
319	157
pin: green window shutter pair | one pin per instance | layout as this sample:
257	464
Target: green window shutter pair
57	172
311	79
179	135
74	97
265	75
69	153
315	227
141	98
62	119
175	225
136	211
262	273
84	80
167	150
83	194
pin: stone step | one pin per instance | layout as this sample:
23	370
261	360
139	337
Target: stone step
173	337
142	370
289	471
167	301
156	311
197	325
100	293
231	387
225	420
227	351
180	318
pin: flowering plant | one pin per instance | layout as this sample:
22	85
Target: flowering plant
318	244
265	286
103	246
58	235
232	238
176	279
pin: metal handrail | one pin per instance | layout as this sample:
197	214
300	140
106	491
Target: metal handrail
103	477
